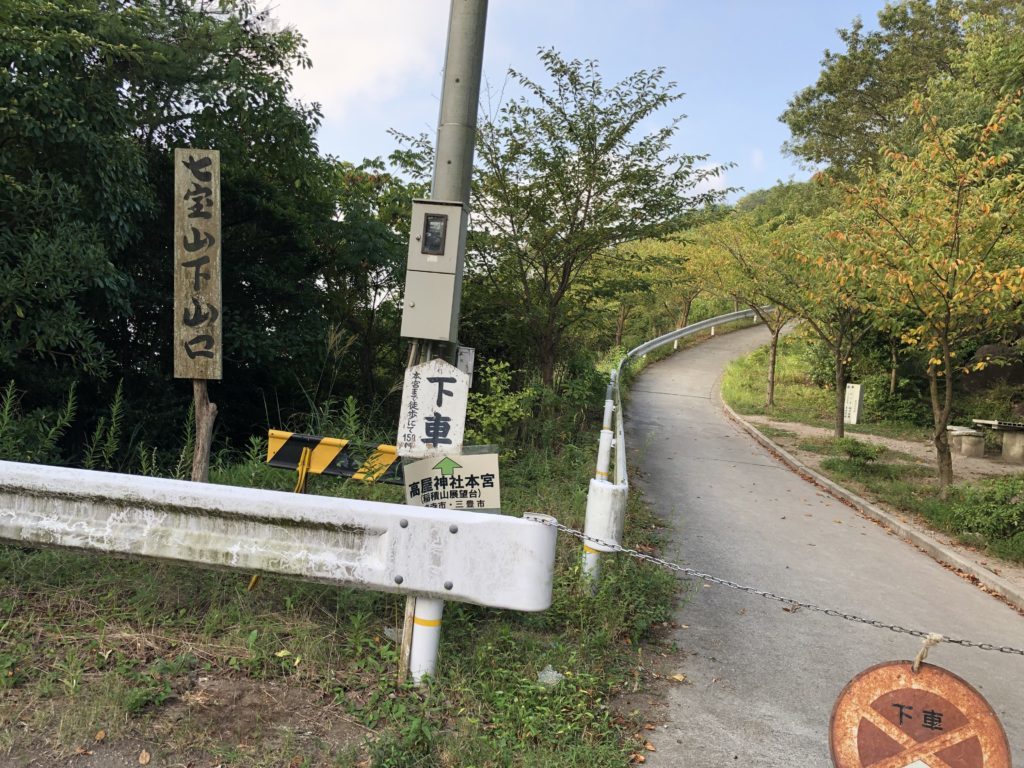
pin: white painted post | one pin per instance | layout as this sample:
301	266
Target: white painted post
426	636
604	454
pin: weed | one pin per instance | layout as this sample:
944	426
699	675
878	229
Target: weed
103	444
33	436
992	510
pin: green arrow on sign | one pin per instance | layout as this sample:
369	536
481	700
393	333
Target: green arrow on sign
447	465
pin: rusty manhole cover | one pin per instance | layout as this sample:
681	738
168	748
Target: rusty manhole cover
891	717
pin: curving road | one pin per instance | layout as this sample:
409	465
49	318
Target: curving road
762	681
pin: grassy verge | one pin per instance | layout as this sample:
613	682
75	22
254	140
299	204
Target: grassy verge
797	399
988	514
100	655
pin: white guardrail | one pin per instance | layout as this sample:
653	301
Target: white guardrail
609	490
491	560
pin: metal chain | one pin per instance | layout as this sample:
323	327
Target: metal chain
771	595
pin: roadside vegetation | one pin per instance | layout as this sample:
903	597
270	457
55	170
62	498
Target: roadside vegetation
174	664
900	260
96	651
987	513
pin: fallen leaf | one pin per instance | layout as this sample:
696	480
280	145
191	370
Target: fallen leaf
83	751
649	747
649	726
636	757
282	653
101	735
144	757
679	678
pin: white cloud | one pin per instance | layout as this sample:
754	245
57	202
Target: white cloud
757	159
709	183
366	53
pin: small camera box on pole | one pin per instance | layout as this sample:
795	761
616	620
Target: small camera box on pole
433	280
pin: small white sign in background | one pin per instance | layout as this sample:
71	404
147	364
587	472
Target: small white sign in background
454	481
854	402
433	418
464	362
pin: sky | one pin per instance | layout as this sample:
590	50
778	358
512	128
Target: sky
377	66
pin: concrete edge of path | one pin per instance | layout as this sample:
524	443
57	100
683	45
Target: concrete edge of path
933	547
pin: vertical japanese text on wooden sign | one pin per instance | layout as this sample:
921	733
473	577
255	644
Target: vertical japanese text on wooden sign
197	273
433	417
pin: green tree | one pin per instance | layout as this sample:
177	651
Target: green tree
741	257
563	175
363	288
988	67
858	101
805	270
95	96
71	183
936	233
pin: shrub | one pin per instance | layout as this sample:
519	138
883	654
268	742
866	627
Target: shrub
857	452
908	405
32	436
993	509
494	410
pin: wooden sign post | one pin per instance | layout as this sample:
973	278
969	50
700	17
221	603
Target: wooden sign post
197	288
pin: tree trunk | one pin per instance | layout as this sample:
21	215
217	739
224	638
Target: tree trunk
840	358
206	413
893	361
368	357
940	437
547	355
620	323
773	351
944	460
684	315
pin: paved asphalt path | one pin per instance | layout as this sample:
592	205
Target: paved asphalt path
762	681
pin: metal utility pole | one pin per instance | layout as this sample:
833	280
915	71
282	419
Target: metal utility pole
434	283
460	97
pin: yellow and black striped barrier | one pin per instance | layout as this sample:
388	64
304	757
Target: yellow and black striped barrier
310	454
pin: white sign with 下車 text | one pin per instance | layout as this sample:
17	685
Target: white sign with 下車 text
433	418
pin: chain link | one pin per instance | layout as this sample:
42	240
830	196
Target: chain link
690	572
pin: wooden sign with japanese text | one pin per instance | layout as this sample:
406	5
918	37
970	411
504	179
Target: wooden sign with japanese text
197	273
433	418
892	717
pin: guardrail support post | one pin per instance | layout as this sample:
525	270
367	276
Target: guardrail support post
426	636
591	567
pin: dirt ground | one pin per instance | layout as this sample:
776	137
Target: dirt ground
220	722
964	467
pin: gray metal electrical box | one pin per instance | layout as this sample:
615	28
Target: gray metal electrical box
433	278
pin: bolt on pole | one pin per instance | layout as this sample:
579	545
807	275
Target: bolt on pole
453	169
